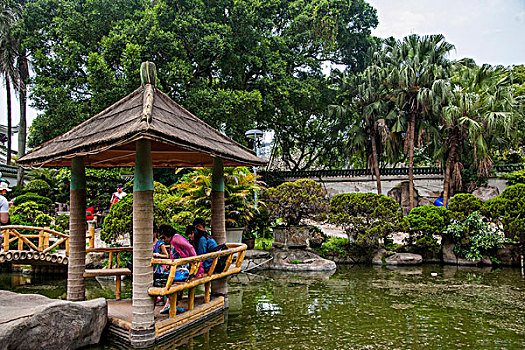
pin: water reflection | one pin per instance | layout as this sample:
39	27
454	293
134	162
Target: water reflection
362	307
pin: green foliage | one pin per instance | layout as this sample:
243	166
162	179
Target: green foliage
193	196
62	223
295	201
509	209
28	213
475	237
335	246
100	184
43	202
43	220
39	187
263	243
15	192
120	218
366	217
515	177
428	220
234	64
464	204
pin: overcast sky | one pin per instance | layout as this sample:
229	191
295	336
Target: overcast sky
490	31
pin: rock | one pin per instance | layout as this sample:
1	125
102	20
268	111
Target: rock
465	262
449	257
508	255
308	261
294	236
30	321
486	193
381	255
95	260
400	193
404	259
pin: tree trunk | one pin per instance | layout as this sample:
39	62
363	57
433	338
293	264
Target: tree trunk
9	120
77	232
218	224
375	160
448	173
142	319
411	138
24	75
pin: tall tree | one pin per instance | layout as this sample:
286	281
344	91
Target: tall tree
235	64
9	14
481	110
418	67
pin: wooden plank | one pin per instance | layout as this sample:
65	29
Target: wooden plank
110	260
6	233
173	305
109	249
26	241
240	258
107	272
40	240
20	244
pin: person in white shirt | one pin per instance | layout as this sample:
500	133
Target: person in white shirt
4	205
116	196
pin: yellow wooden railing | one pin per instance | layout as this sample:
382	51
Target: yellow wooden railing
235	251
45	235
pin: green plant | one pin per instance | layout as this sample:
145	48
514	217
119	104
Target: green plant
464	204
43	220
425	222
334	246
39	187
476	237
62	223
26	214
43	202
295	201
366	217
120	218
193	196
295	262
515	177
263	243
509	209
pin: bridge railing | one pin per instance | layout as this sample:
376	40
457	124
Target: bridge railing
48	239
235	251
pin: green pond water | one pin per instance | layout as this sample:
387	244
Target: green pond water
357	307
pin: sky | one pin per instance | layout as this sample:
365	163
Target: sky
489	31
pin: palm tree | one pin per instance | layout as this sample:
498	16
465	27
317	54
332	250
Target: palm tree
482	104
418	68
9	14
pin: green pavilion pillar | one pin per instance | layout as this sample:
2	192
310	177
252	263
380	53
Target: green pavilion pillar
142	321
76	290
218	224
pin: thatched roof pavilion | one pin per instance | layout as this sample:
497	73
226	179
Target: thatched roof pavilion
143	130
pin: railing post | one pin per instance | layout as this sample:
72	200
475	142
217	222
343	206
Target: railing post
20	244
218	224
6	240
77	232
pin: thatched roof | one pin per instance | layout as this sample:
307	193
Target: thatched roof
178	138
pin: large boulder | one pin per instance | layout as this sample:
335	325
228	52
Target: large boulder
380	256
509	255
486	193
30	321
299	260
404	259
95	260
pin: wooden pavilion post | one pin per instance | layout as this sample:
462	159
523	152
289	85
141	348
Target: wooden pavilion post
142	321
77	229
218	224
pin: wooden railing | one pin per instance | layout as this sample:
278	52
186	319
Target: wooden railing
45	236
112	269
235	251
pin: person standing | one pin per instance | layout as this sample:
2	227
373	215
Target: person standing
4	204
116	196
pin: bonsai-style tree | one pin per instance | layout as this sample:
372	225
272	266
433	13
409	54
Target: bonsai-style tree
464	204
425	223
295	201
366	217
509	209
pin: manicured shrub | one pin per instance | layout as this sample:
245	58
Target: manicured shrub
366	217
334	246
62	223
39	187
428	220
32	197
515	177
120	218
464	204
295	201
26	214
508	209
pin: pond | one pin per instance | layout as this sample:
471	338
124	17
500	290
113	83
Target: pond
357	307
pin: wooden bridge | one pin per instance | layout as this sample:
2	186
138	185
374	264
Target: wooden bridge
33	245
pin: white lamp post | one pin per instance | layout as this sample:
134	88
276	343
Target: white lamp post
255	135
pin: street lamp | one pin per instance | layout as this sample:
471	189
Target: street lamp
255	135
